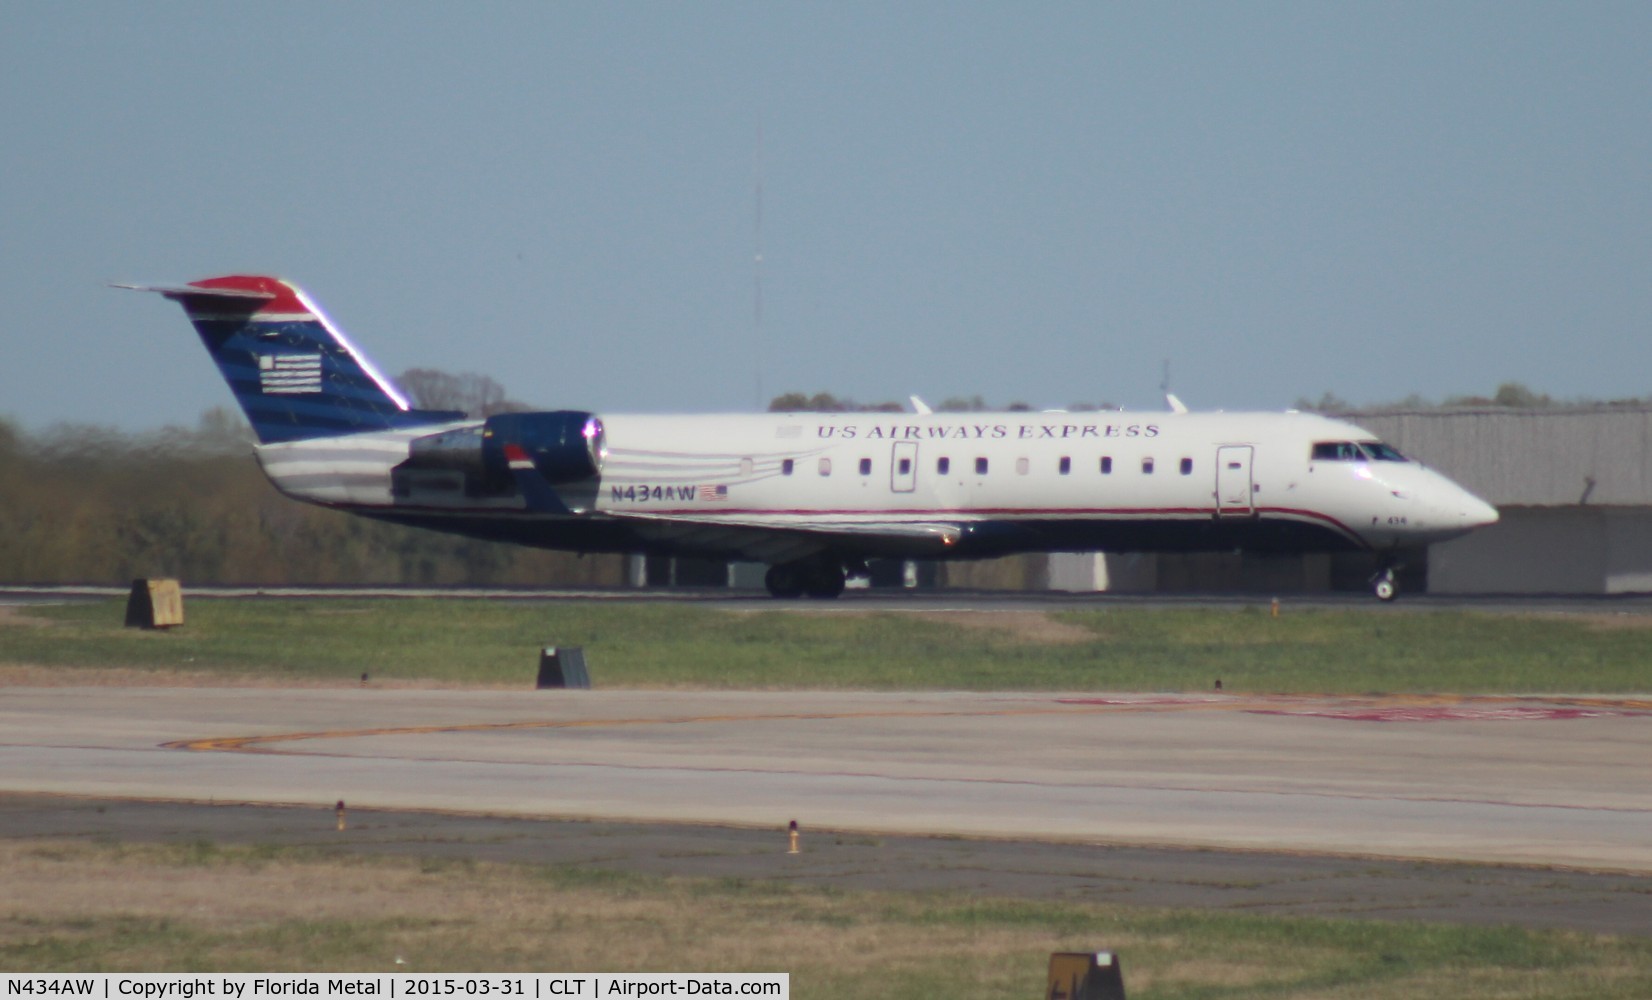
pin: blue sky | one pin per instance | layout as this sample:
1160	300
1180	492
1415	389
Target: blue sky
1039	202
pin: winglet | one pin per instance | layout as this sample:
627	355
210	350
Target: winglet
1176	405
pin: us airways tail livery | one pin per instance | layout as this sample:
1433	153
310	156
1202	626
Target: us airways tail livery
813	495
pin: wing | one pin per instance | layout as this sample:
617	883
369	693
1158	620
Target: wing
765	539
771	541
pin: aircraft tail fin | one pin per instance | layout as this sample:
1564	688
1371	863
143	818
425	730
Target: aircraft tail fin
295	374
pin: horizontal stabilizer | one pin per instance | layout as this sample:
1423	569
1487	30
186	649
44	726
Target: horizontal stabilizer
176	292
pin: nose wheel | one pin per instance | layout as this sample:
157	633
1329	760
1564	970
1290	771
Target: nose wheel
1384	585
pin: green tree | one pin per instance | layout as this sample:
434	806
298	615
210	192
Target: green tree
476	395
825	402
83	504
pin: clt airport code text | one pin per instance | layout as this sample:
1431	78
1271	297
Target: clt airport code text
390	986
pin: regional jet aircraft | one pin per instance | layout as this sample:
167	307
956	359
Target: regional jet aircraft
814	495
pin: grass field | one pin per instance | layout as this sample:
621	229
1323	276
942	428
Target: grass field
105	906
111	907
674	645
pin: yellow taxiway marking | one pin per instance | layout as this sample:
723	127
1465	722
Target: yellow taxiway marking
1076	705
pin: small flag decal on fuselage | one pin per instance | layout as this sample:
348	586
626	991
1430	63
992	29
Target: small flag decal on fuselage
289	374
714	493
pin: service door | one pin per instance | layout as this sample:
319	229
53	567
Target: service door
903	467
1234	489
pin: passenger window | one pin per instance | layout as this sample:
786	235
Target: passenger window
1187	466
906	467
785	467
1066	465
943	465
980	467
1147	466
1107	465
825	466
866	466
1022	466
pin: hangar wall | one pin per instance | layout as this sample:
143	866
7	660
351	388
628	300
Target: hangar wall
1555	550
1573	487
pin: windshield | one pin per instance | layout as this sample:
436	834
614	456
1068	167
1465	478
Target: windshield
1356	451
1381	452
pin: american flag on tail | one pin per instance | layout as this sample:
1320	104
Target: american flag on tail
289	374
713	493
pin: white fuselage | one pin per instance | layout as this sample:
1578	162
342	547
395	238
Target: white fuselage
951	483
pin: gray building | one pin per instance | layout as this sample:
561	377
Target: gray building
1573	487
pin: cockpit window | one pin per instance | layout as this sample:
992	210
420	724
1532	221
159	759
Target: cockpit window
1337	451
1355	451
1381	452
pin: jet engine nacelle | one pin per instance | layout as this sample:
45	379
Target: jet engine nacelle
566	446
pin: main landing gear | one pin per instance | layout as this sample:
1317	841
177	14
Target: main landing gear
821	578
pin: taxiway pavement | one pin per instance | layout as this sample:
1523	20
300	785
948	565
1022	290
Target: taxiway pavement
1556	782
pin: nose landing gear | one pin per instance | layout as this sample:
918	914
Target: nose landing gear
1384	584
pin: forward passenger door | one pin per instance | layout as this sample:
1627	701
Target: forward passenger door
1235	489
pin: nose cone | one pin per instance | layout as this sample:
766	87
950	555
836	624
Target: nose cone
1476	513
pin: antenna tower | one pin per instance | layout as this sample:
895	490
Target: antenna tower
761	352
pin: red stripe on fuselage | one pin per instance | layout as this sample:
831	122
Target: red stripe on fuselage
711	515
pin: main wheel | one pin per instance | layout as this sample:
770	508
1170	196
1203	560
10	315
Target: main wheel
825	582
784	581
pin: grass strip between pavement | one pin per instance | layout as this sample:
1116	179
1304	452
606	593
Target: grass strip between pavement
646	645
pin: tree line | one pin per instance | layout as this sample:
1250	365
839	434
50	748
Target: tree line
1508	395
1512	395
825	402
84	504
